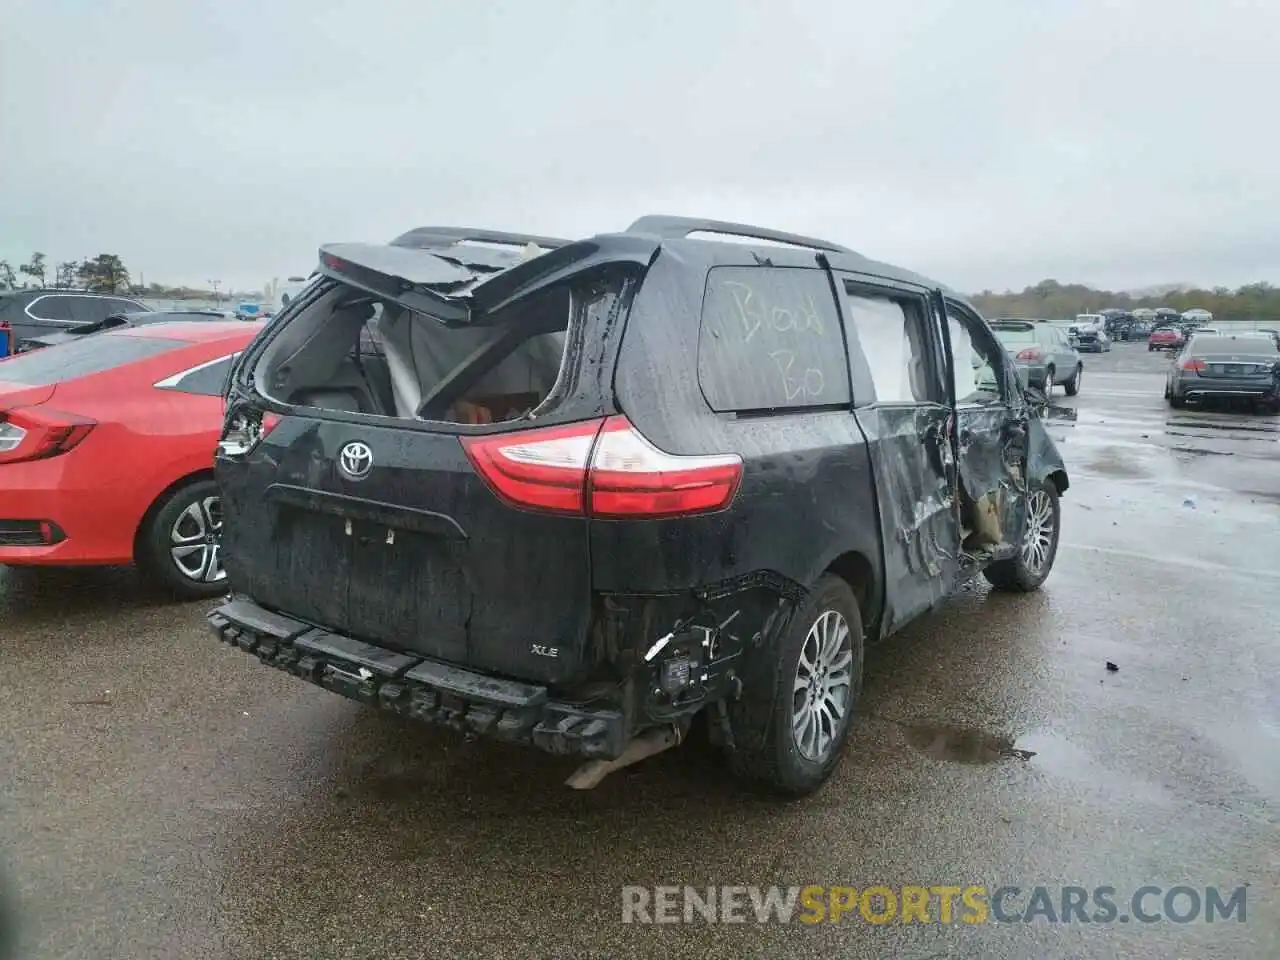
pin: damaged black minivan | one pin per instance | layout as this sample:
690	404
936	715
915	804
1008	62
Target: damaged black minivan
577	493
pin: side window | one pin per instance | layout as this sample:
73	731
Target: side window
52	308
977	357
90	309
891	336
770	339
124	306
206	379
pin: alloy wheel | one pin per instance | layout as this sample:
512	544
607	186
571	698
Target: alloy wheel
822	691
193	541
1037	543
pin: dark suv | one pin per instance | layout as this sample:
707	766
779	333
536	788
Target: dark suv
575	493
35	313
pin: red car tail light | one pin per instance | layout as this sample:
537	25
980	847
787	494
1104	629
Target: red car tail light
1195	366
1030	353
601	468
36	433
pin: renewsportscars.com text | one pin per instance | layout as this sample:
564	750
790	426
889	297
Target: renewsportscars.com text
969	904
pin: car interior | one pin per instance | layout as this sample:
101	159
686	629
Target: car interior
347	350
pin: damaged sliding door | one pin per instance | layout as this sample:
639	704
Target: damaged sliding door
991	436
904	413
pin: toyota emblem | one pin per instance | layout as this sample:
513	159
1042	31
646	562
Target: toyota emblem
355	460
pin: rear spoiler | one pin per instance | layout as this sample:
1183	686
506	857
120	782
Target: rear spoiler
431	271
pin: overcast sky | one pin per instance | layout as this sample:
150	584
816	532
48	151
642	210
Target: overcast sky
989	143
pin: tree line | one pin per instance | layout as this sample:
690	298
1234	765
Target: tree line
105	273
1051	300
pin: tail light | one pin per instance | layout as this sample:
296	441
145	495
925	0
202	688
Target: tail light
245	431
37	433
1030	353
601	468
1194	366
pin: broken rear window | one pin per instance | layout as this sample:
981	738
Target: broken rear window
353	351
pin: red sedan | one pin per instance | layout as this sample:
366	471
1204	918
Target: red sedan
106	451
1165	338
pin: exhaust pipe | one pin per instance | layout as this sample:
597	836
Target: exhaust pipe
640	748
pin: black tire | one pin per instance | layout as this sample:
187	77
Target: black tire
1049	376
153	552
1150	349
765	750
1176	402
1073	385
1016	574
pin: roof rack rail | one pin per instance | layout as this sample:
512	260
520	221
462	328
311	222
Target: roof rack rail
443	236
674	228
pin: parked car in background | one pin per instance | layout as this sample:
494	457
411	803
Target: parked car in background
1091	338
1120	324
722	546
1042	352
1240	367
1166	338
115	321
34	313
106	451
1202	331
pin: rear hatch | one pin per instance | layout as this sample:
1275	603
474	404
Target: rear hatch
451	534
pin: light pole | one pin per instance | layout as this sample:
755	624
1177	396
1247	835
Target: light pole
214	284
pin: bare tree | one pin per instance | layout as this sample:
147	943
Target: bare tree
36	268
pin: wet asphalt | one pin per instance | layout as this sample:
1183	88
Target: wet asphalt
164	796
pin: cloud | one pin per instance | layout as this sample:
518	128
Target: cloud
990	143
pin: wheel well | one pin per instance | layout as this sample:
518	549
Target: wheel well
165	494
1059	480
856	570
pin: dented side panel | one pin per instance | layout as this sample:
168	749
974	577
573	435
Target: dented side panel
807	493
910	450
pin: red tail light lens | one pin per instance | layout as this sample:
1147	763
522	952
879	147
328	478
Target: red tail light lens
543	469
604	469
1030	353
36	433
1195	366
630	477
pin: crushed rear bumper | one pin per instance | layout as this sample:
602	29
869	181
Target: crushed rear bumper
420	688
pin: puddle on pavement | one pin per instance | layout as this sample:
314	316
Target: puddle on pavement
1231	425
1112	465
962	744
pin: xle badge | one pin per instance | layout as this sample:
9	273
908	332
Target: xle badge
539	650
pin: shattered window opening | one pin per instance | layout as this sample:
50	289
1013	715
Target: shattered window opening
976	363
359	353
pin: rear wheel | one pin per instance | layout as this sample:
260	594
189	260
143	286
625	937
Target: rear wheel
178	546
1030	566
793	718
1073	385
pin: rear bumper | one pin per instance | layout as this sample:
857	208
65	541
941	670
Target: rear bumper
419	688
1213	388
91	526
